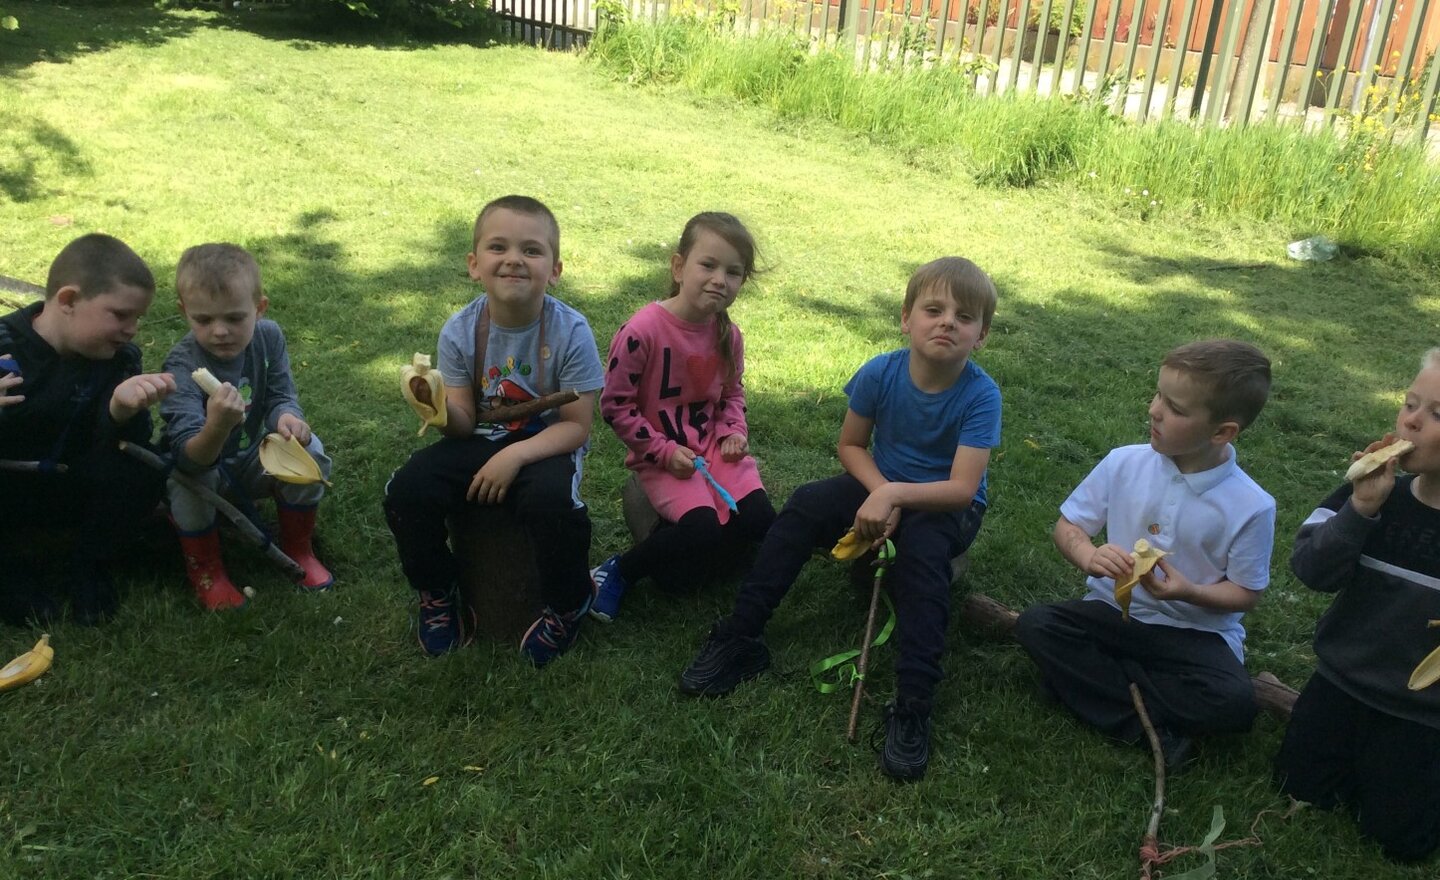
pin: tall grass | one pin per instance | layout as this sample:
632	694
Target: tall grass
1367	191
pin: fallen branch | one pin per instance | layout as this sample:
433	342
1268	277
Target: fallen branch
1150	844
247	528
29	467
1271	694
514	412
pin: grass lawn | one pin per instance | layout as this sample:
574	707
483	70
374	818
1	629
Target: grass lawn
296	738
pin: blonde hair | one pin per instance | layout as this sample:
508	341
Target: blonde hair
216	269
734	233
965	283
1431	359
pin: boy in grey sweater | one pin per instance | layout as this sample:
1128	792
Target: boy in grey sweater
217	439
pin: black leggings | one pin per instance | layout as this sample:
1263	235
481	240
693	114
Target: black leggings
681	555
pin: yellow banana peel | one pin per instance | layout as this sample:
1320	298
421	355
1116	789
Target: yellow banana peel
28	666
288	462
1427	673
849	547
1145	558
424	392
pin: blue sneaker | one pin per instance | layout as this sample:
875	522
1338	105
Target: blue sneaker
441	629
609	587
552	634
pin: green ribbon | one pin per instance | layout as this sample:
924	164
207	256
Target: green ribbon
843	663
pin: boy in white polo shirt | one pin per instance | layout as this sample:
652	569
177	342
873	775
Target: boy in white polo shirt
1185	494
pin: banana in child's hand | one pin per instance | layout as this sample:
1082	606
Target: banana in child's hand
424	392
28	666
849	547
1145	558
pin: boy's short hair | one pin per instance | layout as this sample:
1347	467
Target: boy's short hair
97	263
1430	360
218	268
966	283
521	205
1234	376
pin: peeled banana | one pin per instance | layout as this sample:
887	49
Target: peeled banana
1145	558
28	666
424	392
288	462
1374	461
849	547
206	380
1428	672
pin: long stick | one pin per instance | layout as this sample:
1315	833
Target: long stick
864	655
243	523
513	412
1149	847
29	467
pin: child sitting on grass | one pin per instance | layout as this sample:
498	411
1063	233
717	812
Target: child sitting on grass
216	439
513	343
673	392
1358	736
1185	494
915	445
71	386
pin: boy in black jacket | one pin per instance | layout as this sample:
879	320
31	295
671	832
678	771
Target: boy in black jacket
71	386
1359	737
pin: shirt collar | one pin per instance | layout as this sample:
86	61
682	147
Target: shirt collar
1203	481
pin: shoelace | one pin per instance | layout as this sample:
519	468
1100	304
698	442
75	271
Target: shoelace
552	629
436	613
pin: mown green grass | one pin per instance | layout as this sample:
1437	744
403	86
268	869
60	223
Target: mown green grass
293	739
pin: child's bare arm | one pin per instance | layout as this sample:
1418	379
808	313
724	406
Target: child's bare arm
1175	587
566	435
1076	545
854	450
459	411
139	393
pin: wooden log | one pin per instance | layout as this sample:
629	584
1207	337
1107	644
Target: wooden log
980	611
640	516
498	578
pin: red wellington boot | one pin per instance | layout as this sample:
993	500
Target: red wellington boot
206	571
297	525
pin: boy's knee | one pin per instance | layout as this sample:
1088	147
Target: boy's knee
1033	623
1407	842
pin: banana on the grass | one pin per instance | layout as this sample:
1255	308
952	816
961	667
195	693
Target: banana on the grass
288	462
424	392
28	666
849	547
1374	461
1145	558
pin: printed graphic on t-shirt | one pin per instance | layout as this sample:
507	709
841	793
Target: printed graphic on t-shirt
501	388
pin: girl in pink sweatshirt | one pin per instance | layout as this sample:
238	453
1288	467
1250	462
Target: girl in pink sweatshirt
674	397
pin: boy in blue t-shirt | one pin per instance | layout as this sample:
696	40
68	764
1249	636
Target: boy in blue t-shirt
514	343
915	445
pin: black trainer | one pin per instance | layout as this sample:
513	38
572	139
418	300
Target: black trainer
93	596
907	741
1177	750
723	662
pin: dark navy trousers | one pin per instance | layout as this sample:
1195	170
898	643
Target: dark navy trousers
814	518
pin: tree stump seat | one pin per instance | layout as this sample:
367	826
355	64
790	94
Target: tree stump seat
498	578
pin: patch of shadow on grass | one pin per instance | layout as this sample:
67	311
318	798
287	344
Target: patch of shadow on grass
19	176
59	34
331	25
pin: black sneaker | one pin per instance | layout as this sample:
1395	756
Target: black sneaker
1177	750
723	662
93	597
23	598
907	741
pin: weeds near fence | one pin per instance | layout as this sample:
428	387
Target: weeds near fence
1369	191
